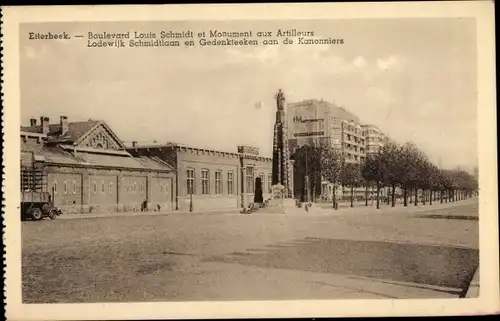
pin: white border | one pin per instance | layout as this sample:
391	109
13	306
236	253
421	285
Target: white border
489	291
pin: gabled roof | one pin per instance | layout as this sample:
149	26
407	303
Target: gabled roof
77	131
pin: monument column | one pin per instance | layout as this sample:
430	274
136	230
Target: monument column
281	156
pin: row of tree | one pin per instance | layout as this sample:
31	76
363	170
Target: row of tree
395	166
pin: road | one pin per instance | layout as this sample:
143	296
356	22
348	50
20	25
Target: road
354	253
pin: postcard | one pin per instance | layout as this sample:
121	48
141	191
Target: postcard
250	160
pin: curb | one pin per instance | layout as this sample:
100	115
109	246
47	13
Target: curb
131	214
473	290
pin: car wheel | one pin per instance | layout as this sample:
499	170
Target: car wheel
36	214
52	214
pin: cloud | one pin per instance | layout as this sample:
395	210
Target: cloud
359	62
31	52
390	62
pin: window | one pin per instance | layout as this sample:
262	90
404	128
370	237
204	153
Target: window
269	183
161	188
205	185
249	180
94	187
65	187
74	186
230	178
110	188
190	181
102	187
135	187
141	187
55	187
218	182
262	182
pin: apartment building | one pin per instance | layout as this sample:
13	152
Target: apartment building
374	138
321	123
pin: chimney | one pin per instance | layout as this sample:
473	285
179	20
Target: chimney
44	122
33	122
134	144
64	125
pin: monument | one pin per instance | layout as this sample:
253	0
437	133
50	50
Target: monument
281	157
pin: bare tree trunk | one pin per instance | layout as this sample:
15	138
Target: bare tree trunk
430	198
378	196
405	195
334	197
352	196
393	196
366	194
424	196
416	196
442	192
388	193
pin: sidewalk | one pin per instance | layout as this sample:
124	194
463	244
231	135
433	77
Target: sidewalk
473	291
322	209
317	209
129	214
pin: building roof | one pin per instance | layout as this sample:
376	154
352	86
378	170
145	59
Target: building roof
75	130
182	148
62	156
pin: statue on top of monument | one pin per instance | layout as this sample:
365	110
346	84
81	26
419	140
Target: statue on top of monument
280	99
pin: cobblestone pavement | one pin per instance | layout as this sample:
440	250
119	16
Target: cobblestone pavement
406	253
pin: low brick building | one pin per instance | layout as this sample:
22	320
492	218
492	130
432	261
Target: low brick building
210	179
88	168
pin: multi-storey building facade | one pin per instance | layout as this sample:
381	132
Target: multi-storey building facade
317	122
374	137
320	123
353	142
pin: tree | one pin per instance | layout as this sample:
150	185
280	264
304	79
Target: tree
372	171
331	166
351	177
433	182
308	161
424	175
409	168
390	160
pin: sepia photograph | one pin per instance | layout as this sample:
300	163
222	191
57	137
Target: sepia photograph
283	160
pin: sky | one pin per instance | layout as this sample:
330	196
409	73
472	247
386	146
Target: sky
413	78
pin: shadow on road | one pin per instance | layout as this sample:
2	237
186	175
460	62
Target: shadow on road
434	265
